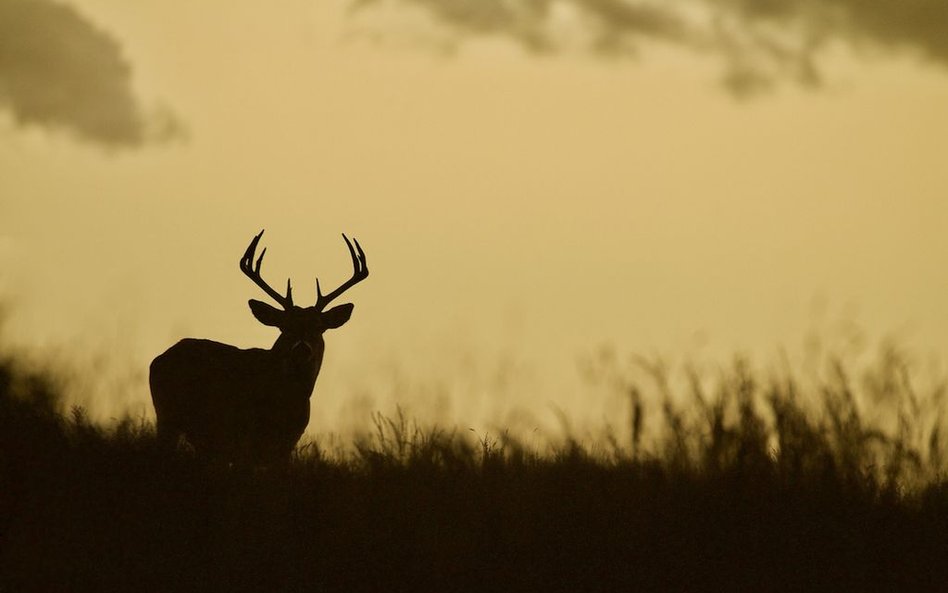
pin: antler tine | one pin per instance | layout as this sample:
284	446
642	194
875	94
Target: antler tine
252	271
360	272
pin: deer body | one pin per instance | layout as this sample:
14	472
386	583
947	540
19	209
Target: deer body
234	404
248	405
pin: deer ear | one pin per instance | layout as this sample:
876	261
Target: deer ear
266	314
336	316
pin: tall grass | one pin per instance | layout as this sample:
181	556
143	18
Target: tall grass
744	481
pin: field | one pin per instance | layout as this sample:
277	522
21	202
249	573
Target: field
744	483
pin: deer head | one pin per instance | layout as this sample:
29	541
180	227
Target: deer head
301	328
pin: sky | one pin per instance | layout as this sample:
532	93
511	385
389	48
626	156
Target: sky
533	182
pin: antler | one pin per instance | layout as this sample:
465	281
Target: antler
253	272
359	273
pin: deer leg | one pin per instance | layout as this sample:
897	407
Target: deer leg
167	435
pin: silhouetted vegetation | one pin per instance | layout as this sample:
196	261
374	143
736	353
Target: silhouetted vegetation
745	484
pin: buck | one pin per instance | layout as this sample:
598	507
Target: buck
249	405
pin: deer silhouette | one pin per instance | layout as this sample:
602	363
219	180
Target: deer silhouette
249	405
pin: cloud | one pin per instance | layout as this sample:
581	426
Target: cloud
59	71
532	23
759	42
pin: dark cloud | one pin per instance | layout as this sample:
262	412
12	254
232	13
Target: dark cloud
59	71
760	42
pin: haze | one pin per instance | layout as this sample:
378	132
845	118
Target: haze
519	208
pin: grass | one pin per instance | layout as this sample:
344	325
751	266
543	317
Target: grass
742	483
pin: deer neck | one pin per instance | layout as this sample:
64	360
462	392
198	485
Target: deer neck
293	366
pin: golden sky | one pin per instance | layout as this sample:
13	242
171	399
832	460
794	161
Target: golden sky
527	187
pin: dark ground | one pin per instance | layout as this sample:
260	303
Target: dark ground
714	507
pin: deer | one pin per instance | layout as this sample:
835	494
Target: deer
249	405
